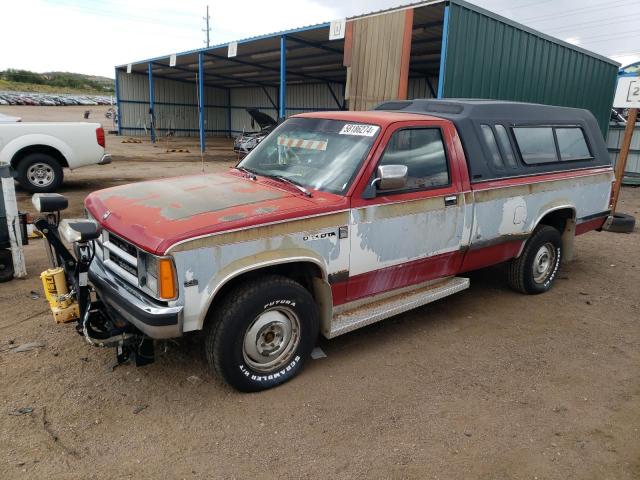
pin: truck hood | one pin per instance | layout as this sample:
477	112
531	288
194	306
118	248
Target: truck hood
157	214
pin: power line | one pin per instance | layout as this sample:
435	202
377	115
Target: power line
580	11
594	24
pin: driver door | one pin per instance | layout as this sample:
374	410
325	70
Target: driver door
412	234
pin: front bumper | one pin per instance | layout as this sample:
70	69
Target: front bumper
105	160
122	301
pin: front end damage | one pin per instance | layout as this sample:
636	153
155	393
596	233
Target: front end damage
110	313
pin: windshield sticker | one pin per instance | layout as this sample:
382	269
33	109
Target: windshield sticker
302	143
359	130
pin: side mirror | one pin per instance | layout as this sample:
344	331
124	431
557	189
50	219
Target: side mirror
49	202
391	177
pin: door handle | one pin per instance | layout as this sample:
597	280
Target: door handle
450	200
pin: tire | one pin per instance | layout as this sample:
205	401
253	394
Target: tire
536	269
621	223
262	333
6	266
39	173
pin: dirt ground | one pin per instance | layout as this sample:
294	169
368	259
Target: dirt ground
486	384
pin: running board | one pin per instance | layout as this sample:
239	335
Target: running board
376	311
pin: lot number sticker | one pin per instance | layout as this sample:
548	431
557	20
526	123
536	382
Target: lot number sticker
359	130
627	93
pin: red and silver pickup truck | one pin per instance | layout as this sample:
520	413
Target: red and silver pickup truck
337	220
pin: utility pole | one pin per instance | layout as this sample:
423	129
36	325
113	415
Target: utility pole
207	29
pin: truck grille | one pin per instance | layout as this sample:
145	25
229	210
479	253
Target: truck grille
119	256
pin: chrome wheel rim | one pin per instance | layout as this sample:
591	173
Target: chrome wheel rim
40	174
544	262
271	340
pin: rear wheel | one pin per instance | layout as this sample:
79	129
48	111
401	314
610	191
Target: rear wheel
262	333
39	173
6	266
536	269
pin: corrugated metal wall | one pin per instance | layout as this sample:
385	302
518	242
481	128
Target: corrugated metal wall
376	55
418	87
487	57
176	104
300	98
614	142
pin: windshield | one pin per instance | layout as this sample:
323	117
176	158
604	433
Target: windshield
313	152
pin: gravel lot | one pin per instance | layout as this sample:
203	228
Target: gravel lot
485	384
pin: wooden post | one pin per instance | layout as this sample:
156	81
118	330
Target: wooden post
624	153
13	221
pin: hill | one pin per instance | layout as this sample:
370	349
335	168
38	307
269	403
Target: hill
54	82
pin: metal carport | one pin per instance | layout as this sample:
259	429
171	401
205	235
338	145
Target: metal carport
434	48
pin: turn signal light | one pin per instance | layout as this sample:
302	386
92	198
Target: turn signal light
167	279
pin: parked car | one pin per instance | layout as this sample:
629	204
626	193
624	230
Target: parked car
335	221
49	99
39	151
246	142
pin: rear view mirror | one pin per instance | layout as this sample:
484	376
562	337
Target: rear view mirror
392	177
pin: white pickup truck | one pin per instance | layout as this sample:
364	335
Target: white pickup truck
39	151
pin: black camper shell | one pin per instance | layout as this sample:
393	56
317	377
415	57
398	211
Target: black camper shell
511	139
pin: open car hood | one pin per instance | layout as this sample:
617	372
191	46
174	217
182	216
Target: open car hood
261	118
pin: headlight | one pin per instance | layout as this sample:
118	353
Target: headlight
157	276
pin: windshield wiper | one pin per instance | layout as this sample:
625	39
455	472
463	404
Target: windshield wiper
249	173
290	182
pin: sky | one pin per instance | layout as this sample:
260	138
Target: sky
93	36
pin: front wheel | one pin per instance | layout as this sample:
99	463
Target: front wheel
39	173
262	333
535	270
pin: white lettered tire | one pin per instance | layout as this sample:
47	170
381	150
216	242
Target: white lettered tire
535	270
262	333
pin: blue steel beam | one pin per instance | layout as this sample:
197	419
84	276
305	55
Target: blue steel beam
152	116
118	117
229	112
201	100
282	111
443	52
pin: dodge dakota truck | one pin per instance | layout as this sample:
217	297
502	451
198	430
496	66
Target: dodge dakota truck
39	151
337	220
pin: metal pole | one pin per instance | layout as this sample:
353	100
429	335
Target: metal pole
624	153
201	100
283	77
118	114
151	105
13	221
229	112
208	29
443	52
